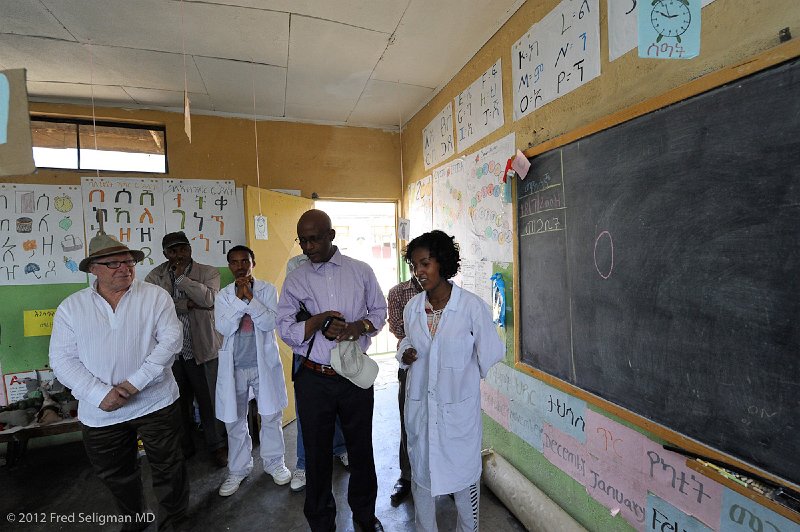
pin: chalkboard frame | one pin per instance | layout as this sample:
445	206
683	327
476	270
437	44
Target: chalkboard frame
775	56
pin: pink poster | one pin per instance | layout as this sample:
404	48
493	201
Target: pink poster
609	485
610	441
564	452
494	404
668	477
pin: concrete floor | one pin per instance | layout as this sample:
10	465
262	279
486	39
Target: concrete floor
59	480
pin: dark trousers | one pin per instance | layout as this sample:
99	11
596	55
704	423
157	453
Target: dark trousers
405	464
198	381
113	454
320	399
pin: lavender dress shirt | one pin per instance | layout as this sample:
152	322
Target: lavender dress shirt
343	284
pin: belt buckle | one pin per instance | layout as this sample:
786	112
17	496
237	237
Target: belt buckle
326	367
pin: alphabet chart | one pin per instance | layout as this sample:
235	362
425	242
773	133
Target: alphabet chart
41	234
133	212
209	213
437	138
479	109
556	55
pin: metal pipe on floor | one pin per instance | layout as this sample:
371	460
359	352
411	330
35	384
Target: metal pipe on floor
535	510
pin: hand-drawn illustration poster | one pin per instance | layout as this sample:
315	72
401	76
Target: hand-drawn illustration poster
623	32
133	212
449	202
437	138
420	207
489	220
208	212
41	234
479	109
556	55
16	154
669	29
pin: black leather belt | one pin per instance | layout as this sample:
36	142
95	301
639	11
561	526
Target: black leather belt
323	369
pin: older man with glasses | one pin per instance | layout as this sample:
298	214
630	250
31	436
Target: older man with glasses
113	344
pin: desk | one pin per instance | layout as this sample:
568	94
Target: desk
17	438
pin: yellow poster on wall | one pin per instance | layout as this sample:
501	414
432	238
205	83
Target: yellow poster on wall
38	322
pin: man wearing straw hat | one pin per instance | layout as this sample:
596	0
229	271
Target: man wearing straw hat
113	344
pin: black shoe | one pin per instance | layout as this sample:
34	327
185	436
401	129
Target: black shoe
376	526
400	491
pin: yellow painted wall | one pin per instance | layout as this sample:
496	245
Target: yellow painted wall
335	162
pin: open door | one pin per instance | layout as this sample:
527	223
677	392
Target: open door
282	212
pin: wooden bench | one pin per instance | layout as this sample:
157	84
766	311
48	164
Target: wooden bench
16	438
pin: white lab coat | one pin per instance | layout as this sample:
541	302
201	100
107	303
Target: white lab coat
443	399
228	313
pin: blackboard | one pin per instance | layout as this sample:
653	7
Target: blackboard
659	265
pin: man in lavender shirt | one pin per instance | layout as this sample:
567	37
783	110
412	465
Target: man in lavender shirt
331	285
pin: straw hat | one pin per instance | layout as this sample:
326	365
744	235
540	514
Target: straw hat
104	245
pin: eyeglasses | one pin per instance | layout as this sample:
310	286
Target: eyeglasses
313	239
114	264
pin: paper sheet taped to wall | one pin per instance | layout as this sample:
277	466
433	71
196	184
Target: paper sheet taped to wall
16	154
38	322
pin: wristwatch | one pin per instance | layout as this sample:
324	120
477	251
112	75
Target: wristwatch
367	326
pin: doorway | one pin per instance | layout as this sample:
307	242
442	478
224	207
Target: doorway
367	231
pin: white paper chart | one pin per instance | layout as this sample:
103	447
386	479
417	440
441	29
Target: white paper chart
437	138
208	212
489	214
449	201
41	234
479	109
556	55
133	212
420	207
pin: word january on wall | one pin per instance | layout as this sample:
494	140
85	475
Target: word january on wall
209	213
479	108
556	55
41	234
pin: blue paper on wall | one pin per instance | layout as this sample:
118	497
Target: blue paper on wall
669	29
5	100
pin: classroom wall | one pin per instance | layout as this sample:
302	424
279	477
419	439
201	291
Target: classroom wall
732	31
333	162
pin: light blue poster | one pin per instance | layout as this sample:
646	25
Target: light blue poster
669	29
5	99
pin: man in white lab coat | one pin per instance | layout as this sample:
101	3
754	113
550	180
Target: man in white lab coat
245	313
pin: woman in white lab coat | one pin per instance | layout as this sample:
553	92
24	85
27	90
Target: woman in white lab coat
450	344
251	304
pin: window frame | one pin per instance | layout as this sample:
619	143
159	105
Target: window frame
77	122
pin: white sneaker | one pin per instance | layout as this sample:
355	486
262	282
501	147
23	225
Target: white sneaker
343	458
298	480
280	474
230	485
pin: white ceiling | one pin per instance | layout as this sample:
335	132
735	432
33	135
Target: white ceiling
367	63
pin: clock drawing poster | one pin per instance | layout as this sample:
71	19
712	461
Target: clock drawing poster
669	29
